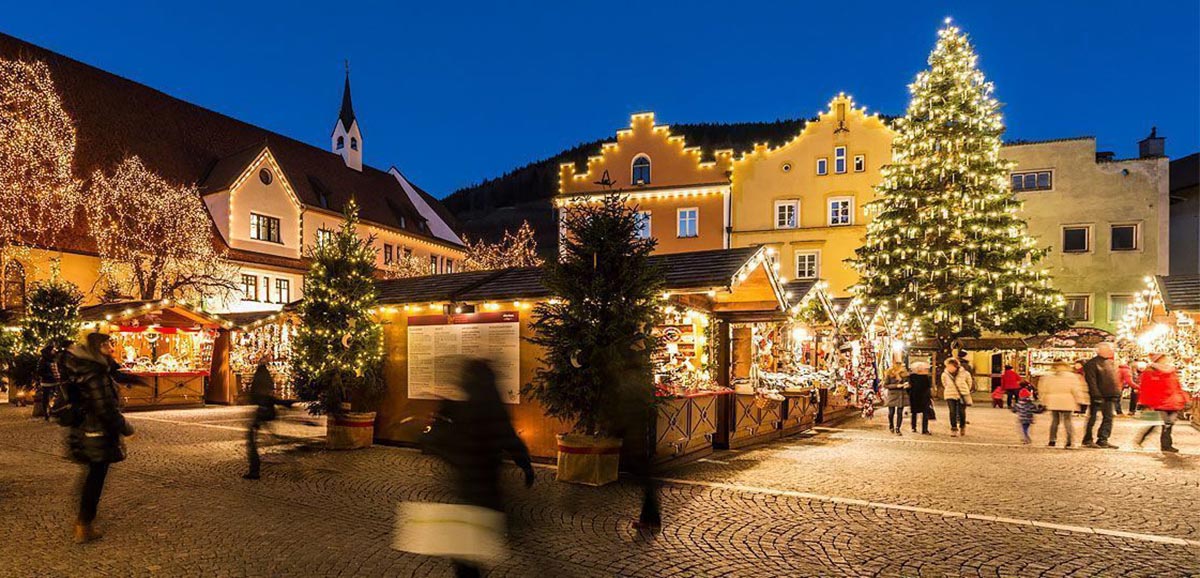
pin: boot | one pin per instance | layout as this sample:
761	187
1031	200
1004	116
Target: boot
1165	442
85	533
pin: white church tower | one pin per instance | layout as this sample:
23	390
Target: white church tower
346	139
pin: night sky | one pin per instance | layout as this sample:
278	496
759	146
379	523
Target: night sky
456	92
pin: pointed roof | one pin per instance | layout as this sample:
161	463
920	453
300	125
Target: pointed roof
346	115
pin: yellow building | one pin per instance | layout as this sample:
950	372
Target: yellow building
805	198
683	199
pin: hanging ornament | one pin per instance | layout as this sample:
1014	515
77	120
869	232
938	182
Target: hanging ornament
575	359
346	341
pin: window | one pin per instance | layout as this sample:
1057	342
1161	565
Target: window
1118	305
1125	237
388	254
13	295
643	225
433	264
1079	307
839	160
283	291
449	265
266	290
265	177
641	170
1077	239
341	143
324	236
786	213
407	253
353	144
689	219
1033	181
250	287
841	211
860	163
263	228
822	166
808	264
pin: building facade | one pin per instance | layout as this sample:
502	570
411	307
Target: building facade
1185	215
1106	222
682	197
270	198
805	199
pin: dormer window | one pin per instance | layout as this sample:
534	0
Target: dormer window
353	144
341	143
641	170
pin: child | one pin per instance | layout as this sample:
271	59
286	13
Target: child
998	396
1024	409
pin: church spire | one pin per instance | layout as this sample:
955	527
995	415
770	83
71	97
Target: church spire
347	138
346	115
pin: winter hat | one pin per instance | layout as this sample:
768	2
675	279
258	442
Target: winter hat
1024	393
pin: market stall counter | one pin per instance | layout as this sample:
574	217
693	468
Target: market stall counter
168	345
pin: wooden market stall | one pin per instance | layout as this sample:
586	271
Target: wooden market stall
1164	318
169	345
252	336
490	313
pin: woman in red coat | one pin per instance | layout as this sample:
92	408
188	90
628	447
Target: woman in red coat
1160	391
1010	382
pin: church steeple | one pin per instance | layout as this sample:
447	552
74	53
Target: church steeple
347	139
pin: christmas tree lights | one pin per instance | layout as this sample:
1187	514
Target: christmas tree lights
945	244
39	195
155	238
338	345
514	250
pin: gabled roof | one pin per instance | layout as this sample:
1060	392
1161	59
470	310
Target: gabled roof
174	313
188	144
1180	292
698	270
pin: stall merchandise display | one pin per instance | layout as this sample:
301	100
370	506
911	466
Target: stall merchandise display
682	361
164	350
274	339
1041	360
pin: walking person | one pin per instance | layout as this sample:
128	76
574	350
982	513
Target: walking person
1129	383
1062	392
49	375
1010	380
895	396
920	395
262	395
1104	391
98	427
1161	392
956	383
472	435
1024	408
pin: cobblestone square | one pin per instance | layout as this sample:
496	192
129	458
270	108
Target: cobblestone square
851	500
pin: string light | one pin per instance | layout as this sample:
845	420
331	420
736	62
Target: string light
514	250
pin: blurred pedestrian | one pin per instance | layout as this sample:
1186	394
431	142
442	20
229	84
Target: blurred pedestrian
49	374
956	383
998	396
262	395
95	439
472	435
1010	380
1062	392
1161	392
920	388
1104	390
1125	378
1024	409
895	396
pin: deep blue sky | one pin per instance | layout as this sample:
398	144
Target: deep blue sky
455	92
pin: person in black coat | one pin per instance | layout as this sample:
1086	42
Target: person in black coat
262	395
49	376
97	427
472	435
920	389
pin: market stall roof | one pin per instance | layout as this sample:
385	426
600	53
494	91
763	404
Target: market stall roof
1180	292
164	312
245	321
718	270
985	343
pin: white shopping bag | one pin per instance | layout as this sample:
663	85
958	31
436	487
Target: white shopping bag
469	533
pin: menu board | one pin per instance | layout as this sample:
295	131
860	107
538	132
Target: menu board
434	341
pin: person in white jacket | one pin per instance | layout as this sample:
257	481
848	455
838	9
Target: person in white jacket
1062	391
956	385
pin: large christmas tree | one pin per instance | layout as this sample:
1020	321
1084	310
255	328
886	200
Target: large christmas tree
339	345
945	244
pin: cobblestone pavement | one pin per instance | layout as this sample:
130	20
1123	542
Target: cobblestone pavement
853	501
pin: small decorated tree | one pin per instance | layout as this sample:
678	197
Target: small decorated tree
53	315
514	250
597	331
338	346
945	245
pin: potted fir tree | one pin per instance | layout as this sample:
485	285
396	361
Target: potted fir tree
597	337
338	347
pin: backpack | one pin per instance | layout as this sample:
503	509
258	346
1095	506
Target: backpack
66	409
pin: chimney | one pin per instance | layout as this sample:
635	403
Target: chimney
1105	156
1152	146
